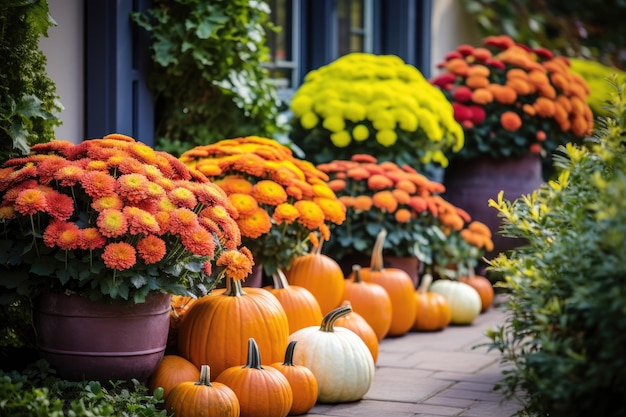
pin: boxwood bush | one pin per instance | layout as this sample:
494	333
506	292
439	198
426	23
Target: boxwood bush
565	335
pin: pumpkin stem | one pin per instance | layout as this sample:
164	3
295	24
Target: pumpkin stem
317	250
289	353
427	279
205	376
329	319
254	357
280	280
356	269
471	273
376	263
234	288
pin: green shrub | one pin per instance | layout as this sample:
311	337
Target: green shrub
207	73
565	336
35	392
28	97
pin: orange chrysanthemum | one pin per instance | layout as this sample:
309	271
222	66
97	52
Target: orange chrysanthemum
59	206
332	208
402	215
255	224
132	187
199	241
311	214
237	265
269	192
30	201
362	202
244	203
112	223
182	197
119	256
384	200
90	239
285	213
510	121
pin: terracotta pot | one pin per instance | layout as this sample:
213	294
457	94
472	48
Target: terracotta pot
471	183
101	341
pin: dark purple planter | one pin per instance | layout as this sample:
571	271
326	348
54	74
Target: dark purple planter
101	341
470	184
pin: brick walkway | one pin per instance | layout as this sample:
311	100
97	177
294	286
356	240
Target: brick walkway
433	374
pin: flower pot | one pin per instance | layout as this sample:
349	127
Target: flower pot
98	340
471	183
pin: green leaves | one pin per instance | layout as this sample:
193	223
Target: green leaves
565	333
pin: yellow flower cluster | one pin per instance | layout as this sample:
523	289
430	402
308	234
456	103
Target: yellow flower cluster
280	200
376	104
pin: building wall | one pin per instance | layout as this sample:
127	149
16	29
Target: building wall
64	48
451	26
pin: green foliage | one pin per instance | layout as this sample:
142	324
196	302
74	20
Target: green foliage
207	71
587	28
595	74
35	392
566	332
27	96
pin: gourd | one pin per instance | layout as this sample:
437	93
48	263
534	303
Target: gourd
433	310
179	305
339	359
262	391
216	330
321	275
398	285
171	371
355	322
302	381
370	300
300	305
482	285
464	300
202	398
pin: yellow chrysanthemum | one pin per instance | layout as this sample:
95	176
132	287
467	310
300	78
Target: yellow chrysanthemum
309	120
386	138
341	139
360	133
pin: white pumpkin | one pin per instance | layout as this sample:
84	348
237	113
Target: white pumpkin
338	357
464	300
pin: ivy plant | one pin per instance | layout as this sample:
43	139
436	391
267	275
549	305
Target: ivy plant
207	73
565	333
28	99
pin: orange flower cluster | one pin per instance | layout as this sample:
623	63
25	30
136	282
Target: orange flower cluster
512	99
384	195
117	217
280	200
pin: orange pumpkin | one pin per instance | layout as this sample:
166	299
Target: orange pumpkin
262	391
171	371
217	328
370	300
300	305
302	381
202	398
398	285
433	310
355	322
482	285
321	275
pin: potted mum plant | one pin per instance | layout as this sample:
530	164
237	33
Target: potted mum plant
374	104
516	105
383	195
281	201
110	223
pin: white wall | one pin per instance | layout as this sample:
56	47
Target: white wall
451	27
64	52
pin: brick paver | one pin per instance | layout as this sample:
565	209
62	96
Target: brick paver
446	373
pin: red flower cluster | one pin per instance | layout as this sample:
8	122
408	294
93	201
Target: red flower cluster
512	99
114	207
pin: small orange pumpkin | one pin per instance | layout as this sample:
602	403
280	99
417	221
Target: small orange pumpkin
482	285
179	305
215	331
300	305
370	300
171	371
321	275
302	381
271	395
355	322
398	285
433	310
202	398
